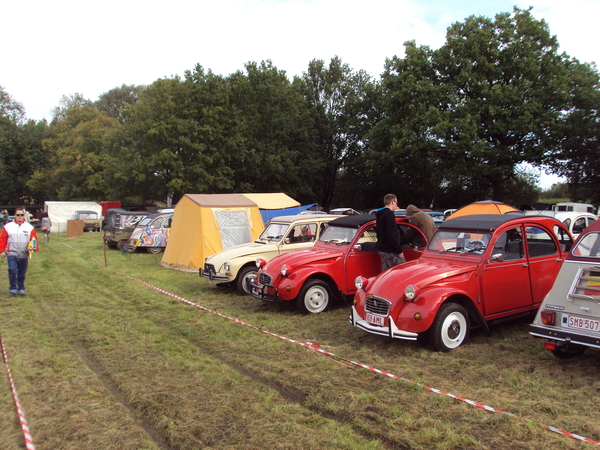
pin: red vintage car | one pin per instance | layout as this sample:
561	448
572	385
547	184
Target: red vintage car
476	269
312	278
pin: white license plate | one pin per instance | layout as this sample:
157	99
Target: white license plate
375	320
581	323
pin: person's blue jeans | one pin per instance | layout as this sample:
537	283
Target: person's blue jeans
17	269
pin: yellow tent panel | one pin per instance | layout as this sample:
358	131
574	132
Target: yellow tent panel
277	200
204	224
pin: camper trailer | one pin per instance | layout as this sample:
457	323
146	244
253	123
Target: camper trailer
574	207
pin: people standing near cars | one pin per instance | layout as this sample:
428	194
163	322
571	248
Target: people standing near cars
388	236
46	225
423	222
15	245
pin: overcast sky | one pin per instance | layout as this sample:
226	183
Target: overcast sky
63	47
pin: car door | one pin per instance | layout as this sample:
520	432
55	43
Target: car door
505	281
545	261
361	258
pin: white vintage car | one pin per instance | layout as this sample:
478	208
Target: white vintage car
569	317
576	222
283	234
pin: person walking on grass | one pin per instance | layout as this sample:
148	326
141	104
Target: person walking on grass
15	245
46	225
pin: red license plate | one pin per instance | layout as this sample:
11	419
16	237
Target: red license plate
375	320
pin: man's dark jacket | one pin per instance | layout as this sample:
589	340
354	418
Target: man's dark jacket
388	237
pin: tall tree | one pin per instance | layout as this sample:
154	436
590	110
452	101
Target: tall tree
114	102
79	149
174	139
276	149
492	97
340	103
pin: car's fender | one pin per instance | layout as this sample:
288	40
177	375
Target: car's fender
289	286
427	305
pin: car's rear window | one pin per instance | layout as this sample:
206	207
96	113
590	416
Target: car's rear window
588	246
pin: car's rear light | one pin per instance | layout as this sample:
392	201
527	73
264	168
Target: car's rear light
550	345
547	317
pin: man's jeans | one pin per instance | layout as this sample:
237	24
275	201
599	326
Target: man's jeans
17	269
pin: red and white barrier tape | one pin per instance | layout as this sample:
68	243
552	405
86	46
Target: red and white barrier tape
24	427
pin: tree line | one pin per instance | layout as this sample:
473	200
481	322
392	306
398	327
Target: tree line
444	127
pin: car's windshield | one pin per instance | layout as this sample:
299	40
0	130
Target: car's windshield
456	241
274	232
144	222
88	215
588	246
338	235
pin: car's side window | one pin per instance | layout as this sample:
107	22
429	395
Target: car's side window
579	225
303	233
368	239
540	243
156	224
510	245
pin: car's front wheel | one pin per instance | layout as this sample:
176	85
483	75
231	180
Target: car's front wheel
315	297
155	250
244	274
450	328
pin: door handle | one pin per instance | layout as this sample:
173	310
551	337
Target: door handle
525	265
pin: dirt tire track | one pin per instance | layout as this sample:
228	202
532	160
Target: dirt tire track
95	367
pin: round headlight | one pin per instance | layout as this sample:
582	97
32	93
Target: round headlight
410	292
226	266
260	262
285	270
361	282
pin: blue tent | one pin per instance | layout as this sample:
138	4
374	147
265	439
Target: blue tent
268	214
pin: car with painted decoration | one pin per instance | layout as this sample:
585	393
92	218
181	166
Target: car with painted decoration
234	265
569	318
313	278
151	233
477	269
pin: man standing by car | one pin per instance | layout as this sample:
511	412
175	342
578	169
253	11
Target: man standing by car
14	244
388	236
423	222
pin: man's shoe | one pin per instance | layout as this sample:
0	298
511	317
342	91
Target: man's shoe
12	294
21	293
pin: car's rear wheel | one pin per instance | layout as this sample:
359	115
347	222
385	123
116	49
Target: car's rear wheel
315	297
566	351
121	244
244	274
450	328
155	250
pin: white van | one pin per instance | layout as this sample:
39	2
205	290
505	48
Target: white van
574	207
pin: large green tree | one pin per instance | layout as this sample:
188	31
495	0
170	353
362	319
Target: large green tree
462	118
275	149
341	102
175	139
79	150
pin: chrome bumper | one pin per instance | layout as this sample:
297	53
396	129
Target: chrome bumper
392	331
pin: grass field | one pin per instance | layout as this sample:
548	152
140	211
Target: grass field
101	361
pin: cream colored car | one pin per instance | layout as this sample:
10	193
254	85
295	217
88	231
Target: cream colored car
283	234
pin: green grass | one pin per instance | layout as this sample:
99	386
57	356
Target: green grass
103	362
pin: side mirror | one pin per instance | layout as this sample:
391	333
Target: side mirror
498	257
287	240
357	247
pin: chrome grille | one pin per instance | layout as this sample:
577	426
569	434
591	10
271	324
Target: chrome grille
264	278
377	305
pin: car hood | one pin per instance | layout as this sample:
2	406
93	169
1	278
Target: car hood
299	258
420	273
240	251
